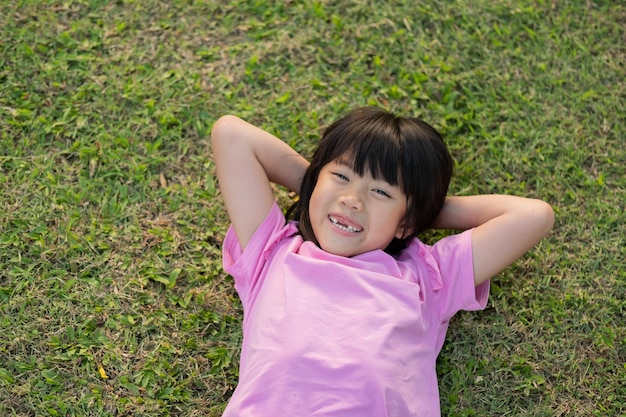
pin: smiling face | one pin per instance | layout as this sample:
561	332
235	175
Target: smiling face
406	153
352	214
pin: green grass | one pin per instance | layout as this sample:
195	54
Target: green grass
112	296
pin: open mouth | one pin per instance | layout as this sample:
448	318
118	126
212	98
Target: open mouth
343	225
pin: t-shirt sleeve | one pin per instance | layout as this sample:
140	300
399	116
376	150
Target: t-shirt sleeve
454	259
245	266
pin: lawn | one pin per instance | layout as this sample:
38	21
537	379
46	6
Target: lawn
112	296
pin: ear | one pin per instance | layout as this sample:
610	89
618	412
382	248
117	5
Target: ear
403	231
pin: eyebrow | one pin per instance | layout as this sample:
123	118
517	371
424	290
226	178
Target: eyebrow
344	162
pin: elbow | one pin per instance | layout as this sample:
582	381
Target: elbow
545	214
224	128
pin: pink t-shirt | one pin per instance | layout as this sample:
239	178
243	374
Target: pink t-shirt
325	335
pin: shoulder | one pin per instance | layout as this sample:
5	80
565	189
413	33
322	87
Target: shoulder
448	259
452	248
270	232
449	267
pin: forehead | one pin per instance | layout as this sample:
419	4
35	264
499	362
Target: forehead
374	164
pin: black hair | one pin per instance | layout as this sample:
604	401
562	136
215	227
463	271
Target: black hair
403	151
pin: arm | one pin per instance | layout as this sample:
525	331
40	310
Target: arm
506	227
247	160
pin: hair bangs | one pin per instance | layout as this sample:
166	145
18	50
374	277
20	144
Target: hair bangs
373	149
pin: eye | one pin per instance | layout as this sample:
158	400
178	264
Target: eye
340	176
382	192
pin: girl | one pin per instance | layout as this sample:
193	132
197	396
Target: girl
345	310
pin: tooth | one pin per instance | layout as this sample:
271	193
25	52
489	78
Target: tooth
347	228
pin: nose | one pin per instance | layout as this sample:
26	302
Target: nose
351	200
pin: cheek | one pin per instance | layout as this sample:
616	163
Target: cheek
314	210
395	222
313	204
316	201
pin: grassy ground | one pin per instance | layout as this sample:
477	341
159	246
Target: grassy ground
112	297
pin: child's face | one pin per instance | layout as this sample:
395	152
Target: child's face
352	214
